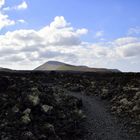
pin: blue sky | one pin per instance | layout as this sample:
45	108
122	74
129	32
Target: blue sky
111	32
115	17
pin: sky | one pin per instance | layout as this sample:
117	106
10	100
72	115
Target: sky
96	33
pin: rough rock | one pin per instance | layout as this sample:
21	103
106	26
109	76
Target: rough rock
46	108
104	93
34	99
28	135
32	109
137	95
125	102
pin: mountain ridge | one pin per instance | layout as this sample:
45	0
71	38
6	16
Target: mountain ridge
61	66
5	69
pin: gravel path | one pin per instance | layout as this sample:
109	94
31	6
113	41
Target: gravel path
100	124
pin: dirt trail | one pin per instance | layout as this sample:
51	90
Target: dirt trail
101	125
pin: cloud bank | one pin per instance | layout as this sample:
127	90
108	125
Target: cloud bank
26	49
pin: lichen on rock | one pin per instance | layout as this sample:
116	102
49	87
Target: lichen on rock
46	108
33	99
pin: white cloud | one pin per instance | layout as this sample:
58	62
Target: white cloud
82	31
127	47
4	18
60	41
59	22
6	9
129	50
126	40
21	6
54	41
99	34
21	21
45	42
60	33
5	21
134	31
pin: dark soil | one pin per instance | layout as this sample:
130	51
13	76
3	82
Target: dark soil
100	124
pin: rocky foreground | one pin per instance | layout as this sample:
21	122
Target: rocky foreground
121	91
31	109
38	106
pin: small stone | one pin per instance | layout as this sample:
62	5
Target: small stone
119	110
137	95
124	101
93	83
135	89
114	99
135	123
25	119
62	115
23	78
128	88
28	136
35	91
3	124
136	108
104	93
4	138
48	128
15	109
78	114
42	137
27	111
46	108
113	108
34	99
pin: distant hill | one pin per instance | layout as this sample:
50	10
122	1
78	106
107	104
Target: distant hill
59	66
5	69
